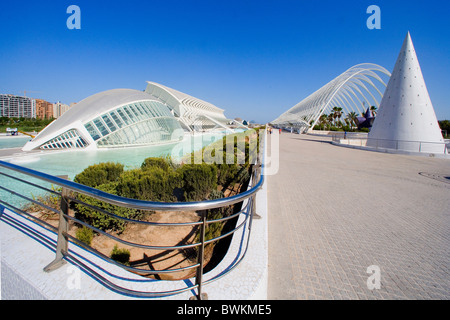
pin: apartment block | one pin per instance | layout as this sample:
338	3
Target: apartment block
59	109
13	106
44	109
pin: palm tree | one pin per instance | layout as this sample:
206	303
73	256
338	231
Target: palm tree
330	120
337	114
374	110
323	120
353	118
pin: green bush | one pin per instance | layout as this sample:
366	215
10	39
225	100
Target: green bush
199	180
99	174
226	173
120	255
157	180
85	235
156	162
101	220
151	184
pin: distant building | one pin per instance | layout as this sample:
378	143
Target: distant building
192	113
44	109
12	106
113	118
127	117
59	109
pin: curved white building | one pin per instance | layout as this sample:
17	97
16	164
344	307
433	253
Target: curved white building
113	118
192	113
354	90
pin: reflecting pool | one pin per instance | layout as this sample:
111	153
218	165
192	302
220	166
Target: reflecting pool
70	163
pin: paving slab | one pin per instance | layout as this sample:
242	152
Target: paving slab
334	212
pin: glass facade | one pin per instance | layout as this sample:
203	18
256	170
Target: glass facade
68	140
144	122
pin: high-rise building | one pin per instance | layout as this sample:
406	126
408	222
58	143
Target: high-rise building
59	109
12	106
44	109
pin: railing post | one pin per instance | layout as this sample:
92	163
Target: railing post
201	258
255	175
63	228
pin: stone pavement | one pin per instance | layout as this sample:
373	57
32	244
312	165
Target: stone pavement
334	212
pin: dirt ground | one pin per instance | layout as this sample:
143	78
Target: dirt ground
156	236
167	236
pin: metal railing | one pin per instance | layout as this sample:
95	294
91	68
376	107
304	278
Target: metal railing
403	145
64	239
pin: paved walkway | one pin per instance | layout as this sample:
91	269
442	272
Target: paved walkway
334	211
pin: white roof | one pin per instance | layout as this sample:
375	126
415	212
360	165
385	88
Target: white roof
188	100
91	107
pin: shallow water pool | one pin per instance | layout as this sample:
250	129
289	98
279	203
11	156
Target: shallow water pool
70	163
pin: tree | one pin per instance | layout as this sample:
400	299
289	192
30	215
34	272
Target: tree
323	120
330	120
445	126
337	114
353	119
374	110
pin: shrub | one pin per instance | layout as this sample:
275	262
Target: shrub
120	255
226	173
199	180
101	220
156	162
152	184
85	235
99	174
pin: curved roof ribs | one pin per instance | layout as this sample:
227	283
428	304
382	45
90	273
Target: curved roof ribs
350	91
190	111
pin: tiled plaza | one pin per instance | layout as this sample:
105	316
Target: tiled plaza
335	211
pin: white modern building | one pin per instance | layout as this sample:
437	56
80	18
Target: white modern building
194	114
355	90
113	118
126	117
406	119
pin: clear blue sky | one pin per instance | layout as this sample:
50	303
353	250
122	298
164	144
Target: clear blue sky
255	59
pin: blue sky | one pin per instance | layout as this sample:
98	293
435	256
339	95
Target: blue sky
255	59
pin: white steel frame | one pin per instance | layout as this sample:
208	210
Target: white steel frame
350	91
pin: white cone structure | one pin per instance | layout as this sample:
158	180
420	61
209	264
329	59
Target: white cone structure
406	119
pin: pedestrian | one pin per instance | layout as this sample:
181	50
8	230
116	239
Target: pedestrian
280	130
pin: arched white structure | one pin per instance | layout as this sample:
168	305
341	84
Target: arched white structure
192	113
113	118
355	90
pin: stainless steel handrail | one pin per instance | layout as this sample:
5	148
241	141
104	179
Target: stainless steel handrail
63	253
394	144
133	203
